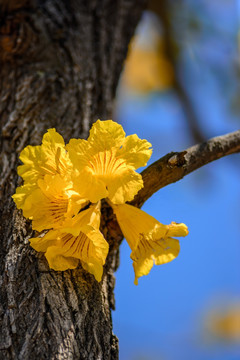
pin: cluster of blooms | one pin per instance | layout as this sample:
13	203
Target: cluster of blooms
62	192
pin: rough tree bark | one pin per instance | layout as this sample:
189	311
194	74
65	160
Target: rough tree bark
60	63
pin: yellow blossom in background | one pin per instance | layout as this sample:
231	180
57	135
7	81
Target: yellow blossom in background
62	190
147	69
225	324
105	163
150	241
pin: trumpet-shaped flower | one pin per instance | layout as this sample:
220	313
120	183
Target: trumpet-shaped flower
78	240
49	204
59	181
150	241
105	163
50	158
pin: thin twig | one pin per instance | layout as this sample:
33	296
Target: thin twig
175	165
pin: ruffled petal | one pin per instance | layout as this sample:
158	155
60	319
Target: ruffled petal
106	135
170	250
149	240
52	139
49	205
89	246
95	269
91	187
176	229
55	186
30	171
42	243
134	222
47	212
53	149
22	194
158	251
84	242
136	152
105	163
49	158
90	216
79	153
124	187
57	261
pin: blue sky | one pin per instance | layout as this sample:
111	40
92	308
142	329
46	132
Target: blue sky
164	316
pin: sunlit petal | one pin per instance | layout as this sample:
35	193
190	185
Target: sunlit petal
135	151
150	252
42	243
50	204
124	186
149	240
49	158
105	164
79	240
57	261
106	135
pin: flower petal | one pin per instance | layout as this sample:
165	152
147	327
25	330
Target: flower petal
105	135
135	151
49	158
134	222
22	194
105	163
94	269
149	240
90	216
91	187
158	251
49	205
30	170
42	243
57	261
84	242
78	150
89	246
124	186
170	250
47	212
175	229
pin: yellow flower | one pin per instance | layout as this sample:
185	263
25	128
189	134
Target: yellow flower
150	241
105	163
59	181
147	69
79	239
50	158
224	323
49	204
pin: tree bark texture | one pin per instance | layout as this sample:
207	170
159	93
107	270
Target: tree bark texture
60	63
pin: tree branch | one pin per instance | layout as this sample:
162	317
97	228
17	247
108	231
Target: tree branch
175	165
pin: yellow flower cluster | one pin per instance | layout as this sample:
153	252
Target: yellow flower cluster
63	186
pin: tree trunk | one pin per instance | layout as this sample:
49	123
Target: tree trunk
60	63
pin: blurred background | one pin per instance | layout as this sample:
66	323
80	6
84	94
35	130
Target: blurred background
181	86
